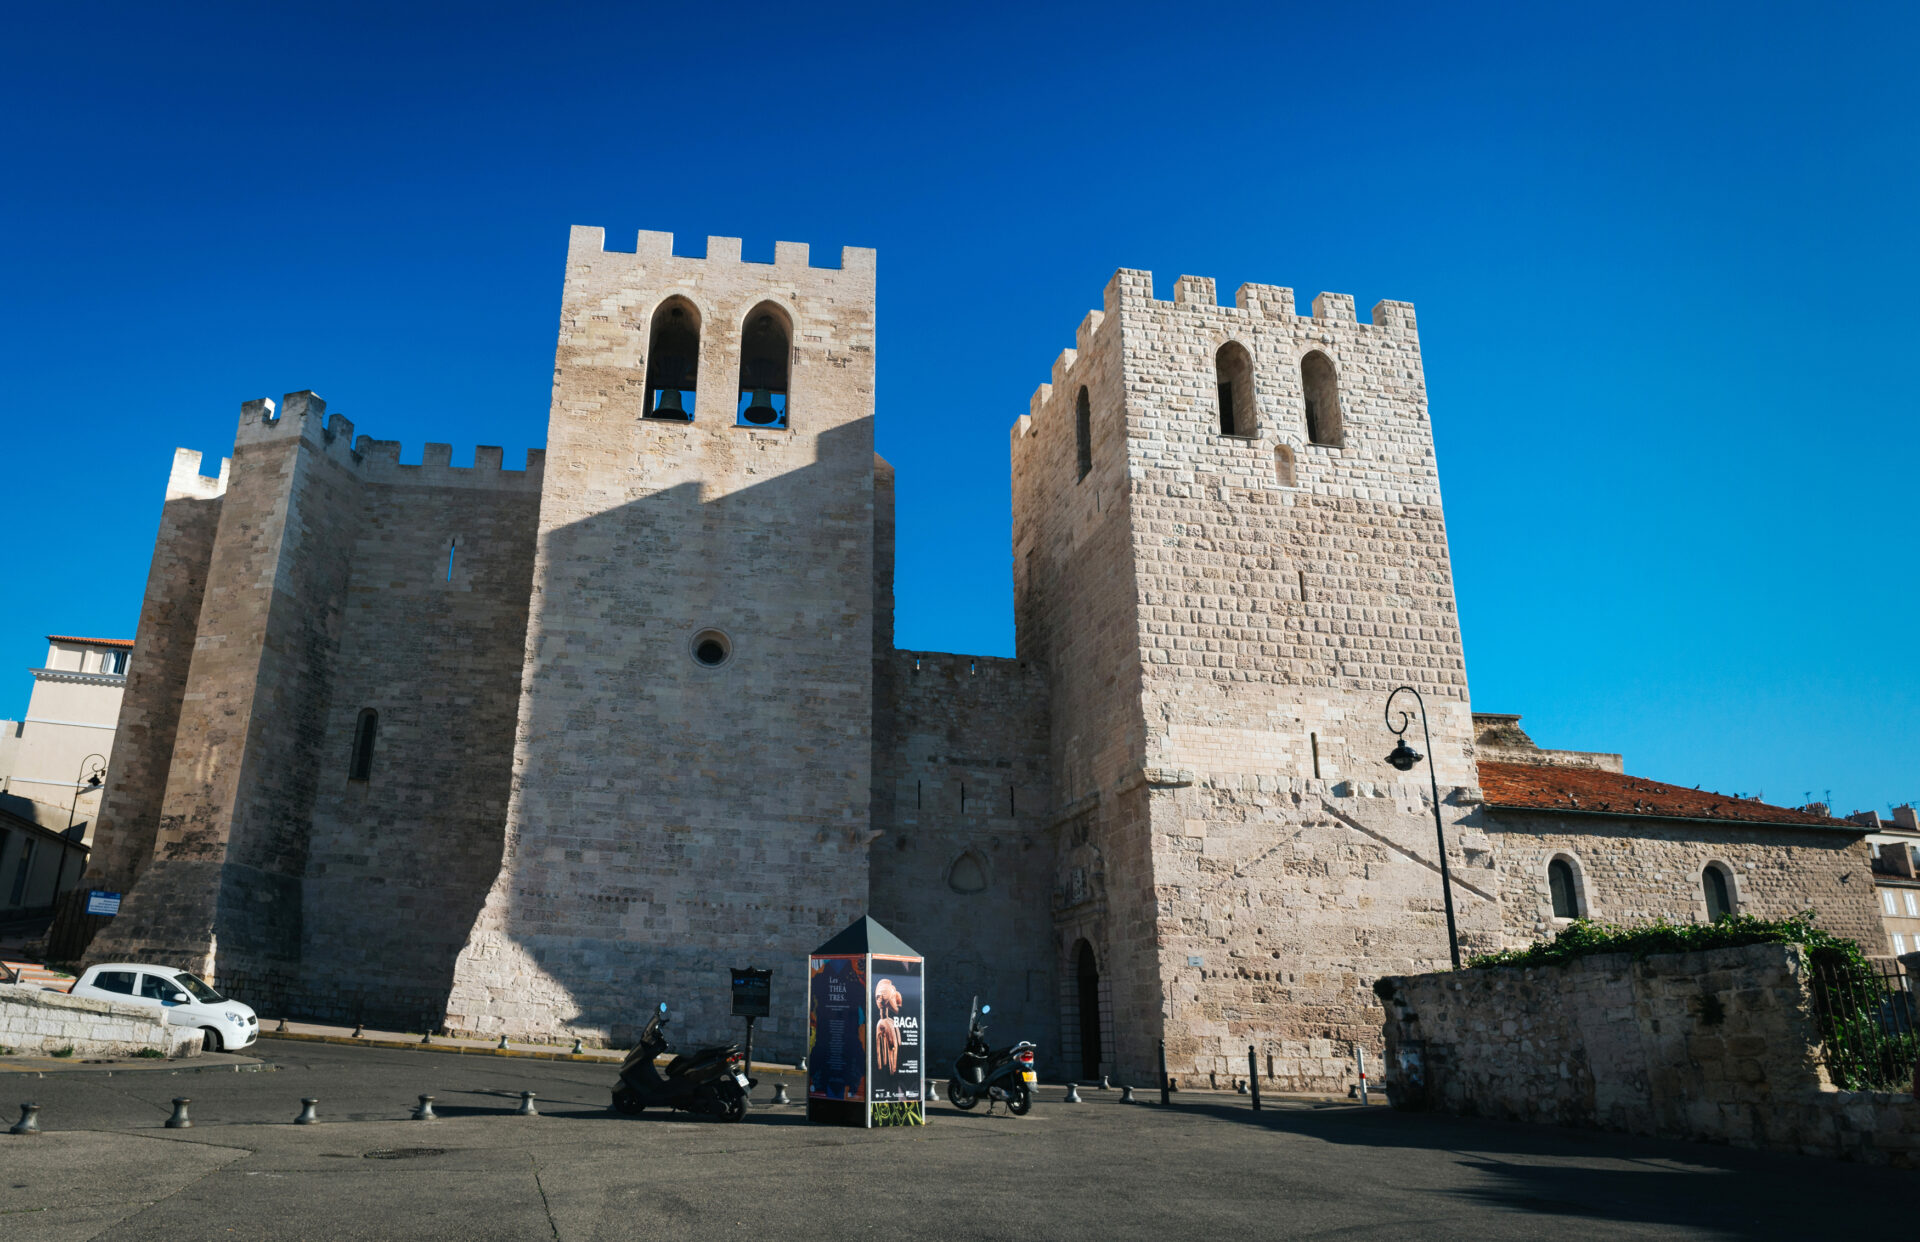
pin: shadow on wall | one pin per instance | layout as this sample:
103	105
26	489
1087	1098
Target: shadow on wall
694	765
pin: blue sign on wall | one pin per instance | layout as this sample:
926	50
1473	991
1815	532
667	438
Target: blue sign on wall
102	902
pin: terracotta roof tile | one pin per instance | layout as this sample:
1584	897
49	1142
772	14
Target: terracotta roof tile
1525	786
98	642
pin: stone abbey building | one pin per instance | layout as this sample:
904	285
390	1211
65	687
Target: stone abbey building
526	751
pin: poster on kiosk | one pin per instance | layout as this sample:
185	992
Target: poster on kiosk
866	1012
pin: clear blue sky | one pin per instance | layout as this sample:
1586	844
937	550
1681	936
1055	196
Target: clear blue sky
1664	260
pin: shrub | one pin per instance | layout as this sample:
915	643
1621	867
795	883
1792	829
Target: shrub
150	1054
63	1052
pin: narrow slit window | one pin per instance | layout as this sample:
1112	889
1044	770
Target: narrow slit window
766	364
1303	586
1283	466
673	361
1233	378
1083	433
1313	744
360	767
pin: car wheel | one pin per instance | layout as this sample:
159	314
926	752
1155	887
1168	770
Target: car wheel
213	1042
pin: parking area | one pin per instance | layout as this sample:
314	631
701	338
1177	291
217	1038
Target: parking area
1206	1167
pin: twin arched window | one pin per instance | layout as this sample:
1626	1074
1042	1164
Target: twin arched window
673	364
1563	890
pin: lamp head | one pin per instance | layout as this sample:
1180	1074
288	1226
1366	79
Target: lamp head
1403	756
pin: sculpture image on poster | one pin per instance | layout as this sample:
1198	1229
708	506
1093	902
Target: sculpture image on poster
837	1034
897	1018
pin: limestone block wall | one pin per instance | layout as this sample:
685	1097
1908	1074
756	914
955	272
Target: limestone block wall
36	1020
1719	1046
669	820
1631	870
156	676
433	633
962	866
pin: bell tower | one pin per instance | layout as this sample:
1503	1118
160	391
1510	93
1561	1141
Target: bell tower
1229	548
693	760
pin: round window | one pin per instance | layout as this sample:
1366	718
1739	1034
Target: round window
711	648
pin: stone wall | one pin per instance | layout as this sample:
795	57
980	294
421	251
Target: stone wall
961	865
1632	870
1719	1046
36	1021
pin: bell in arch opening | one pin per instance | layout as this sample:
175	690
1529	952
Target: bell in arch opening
766	358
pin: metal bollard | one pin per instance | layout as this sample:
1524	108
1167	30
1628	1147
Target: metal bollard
357	1029
1253	1076
576	1045
802	1067
780	1093
425	1111
1166	1084
426	1037
282	1028
1105	1083
307	1116
1126	1095
1360	1056
1073	1093
1239	1087
526	1108
180	1120
29	1122
501	1044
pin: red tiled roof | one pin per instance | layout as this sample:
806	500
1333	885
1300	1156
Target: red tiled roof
98	642
1525	786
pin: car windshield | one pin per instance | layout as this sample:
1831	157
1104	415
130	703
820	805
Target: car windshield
198	990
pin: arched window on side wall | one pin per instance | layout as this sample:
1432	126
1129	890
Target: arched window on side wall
1562	887
1233	373
1083	433
360	767
766	357
1719	892
1283	466
673	361
1322	389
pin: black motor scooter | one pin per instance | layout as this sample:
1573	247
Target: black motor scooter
711	1082
982	1074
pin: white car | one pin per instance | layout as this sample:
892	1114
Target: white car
229	1025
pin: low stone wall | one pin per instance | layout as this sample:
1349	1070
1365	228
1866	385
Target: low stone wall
1719	1046
34	1020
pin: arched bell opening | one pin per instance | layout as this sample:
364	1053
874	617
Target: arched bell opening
673	361
766	364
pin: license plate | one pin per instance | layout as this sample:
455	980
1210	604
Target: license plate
741	1079
1028	1076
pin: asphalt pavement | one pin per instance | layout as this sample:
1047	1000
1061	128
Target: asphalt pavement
1207	1167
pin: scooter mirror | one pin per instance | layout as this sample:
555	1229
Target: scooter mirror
985	1009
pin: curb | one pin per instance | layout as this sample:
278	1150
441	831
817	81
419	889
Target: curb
585	1058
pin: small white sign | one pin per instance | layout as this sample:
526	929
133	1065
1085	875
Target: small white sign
1194	959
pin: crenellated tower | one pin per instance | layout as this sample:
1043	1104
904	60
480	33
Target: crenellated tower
1229	549
693	760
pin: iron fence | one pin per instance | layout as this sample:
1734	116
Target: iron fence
1870	1024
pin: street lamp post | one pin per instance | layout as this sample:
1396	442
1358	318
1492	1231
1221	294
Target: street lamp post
1404	757
93	770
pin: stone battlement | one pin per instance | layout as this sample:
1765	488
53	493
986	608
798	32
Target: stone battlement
303	415
187	483
651	246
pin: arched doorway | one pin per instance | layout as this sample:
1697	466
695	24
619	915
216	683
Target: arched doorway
1089	979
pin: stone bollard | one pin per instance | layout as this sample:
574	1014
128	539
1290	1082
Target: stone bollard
526	1108
502	1044
1073	1093
1126	1095
425	1111
780	1093
180	1120
29	1122
307	1116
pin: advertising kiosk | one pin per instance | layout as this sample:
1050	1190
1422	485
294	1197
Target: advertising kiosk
866	1013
